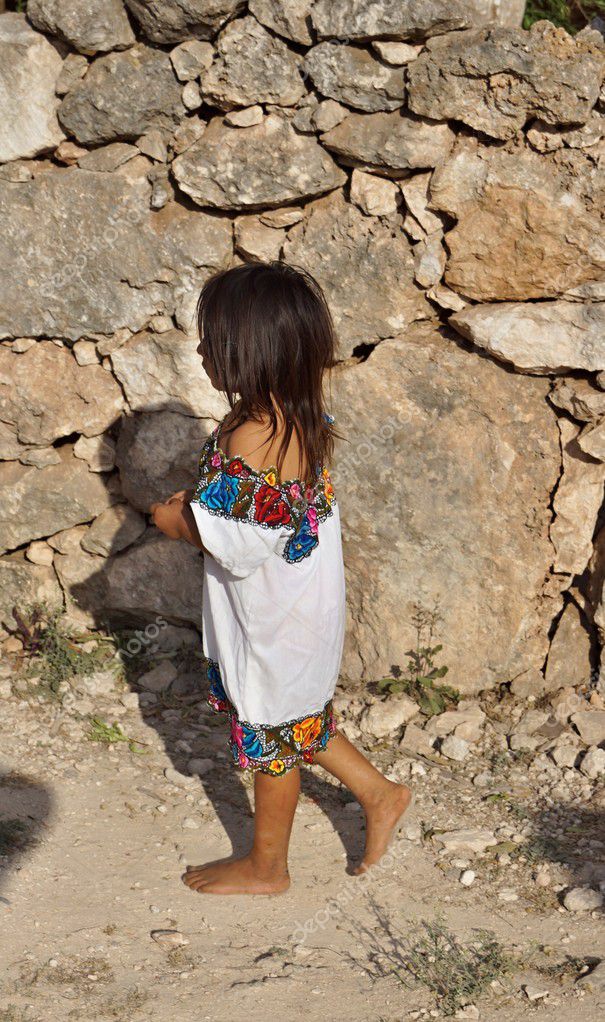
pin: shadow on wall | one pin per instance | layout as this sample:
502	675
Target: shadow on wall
152	585
26	808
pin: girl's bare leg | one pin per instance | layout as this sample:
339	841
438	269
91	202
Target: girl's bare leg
383	801
265	869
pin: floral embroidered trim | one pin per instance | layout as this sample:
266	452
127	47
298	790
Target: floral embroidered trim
271	748
231	488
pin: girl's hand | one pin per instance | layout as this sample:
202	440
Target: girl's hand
166	517
175	519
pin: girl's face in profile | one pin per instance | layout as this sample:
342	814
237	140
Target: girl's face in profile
207	365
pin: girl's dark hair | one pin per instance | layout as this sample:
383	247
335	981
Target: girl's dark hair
267	332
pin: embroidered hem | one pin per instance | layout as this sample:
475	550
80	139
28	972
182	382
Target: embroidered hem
271	748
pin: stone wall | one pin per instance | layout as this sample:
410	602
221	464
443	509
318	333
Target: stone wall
440	171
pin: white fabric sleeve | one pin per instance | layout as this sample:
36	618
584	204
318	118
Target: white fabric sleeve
239	547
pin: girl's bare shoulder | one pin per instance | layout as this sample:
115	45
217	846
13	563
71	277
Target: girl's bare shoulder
252	441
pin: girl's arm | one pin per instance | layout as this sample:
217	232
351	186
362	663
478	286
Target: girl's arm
175	518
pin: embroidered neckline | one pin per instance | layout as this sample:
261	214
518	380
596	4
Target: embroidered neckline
230	488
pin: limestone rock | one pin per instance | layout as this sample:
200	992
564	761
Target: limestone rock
116	528
454	748
481	498
23	584
152	367
592	441
593	763
40	552
245	118
40	502
252	66
447	723
190	59
580	398
415	191
155	578
374	19
90	26
576	503
157	455
355	77
45	394
389	142
108	158
539	337
396	54
74	68
352	254
157	680
416	740
582	899
530	683
115	263
267	164
429	260
466	841
495	79
123	96
524	227
590	725
29	68
374	195
99	452
171	21
569	657
386	716
289	18
254	240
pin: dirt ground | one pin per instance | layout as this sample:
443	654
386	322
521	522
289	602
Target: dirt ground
96	837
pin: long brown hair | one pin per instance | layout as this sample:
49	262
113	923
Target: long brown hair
267	332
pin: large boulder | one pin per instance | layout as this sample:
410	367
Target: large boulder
29	68
525	223
122	96
444	491
157	579
152	369
252	66
171	21
268	164
45	395
495	79
392	143
41	501
355	76
382	19
365	266
23	585
100	258
538	337
90	26
158	454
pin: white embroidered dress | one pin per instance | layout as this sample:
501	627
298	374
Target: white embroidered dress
273	607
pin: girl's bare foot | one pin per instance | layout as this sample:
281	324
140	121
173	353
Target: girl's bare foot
382	814
237	876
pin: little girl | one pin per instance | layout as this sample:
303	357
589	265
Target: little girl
265	515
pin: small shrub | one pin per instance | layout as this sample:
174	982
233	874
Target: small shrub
456	972
110	734
421	678
55	654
